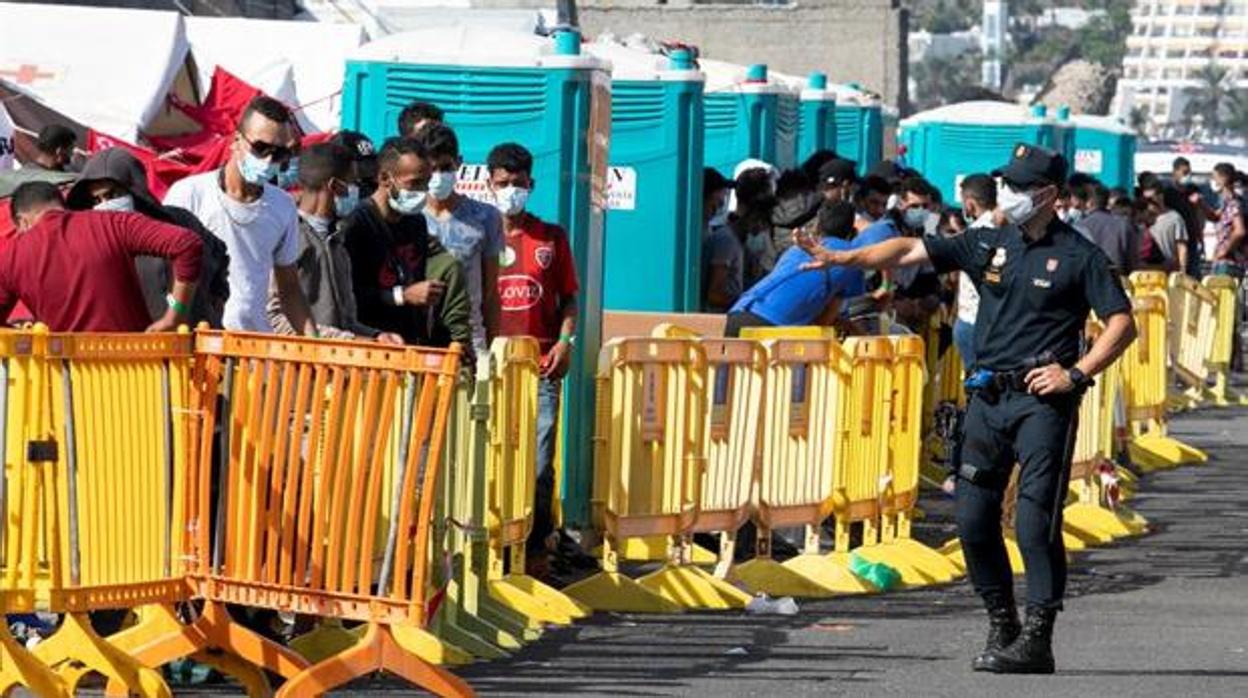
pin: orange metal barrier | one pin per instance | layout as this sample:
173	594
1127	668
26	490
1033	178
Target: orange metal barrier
298	523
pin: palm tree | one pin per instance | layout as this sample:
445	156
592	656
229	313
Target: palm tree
1138	120
1207	101
1236	121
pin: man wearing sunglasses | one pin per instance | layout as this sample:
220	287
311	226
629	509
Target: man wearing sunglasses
257	221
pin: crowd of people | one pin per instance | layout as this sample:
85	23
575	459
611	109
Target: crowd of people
338	240
753	272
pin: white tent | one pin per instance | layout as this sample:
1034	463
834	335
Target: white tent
8	145
300	63
107	68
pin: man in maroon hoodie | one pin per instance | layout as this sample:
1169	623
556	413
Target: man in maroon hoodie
74	270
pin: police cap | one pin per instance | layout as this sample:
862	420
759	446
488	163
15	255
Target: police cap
1032	165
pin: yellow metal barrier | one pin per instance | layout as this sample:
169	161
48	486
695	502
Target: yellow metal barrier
648	458
511	371
803	444
1144	389
1226	290
1193	317
1093	516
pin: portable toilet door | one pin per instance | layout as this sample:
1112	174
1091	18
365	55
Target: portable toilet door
653	250
741	113
497	86
859	127
948	143
1105	149
816	126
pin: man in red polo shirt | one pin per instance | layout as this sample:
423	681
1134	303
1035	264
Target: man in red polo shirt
74	270
537	291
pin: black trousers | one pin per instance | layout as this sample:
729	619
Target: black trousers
1038	434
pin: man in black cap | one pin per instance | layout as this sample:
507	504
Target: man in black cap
1038	279
836	180
363	160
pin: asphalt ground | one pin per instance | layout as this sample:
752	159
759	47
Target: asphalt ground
1162	615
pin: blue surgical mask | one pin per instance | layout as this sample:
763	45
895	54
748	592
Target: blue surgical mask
407	202
123	204
442	185
256	171
915	218
1073	215
510	201
346	203
289	177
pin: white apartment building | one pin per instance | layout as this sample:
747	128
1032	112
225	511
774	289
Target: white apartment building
1171	40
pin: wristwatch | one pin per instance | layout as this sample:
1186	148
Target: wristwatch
1079	379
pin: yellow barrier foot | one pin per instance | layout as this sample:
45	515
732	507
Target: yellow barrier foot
525	629
474	634
692	587
549	595
831	571
953	551
911	575
766	576
423	644
926	558
526	604
1154	452
656	549
328	638
380	649
1120	523
612	591
77	643
18	667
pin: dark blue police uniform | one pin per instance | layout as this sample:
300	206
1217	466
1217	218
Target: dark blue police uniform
1035	296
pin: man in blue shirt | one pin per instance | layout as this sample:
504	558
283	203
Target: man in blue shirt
790	296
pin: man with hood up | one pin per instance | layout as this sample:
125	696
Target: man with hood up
115	180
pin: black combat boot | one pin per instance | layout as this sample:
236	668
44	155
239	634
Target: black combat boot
1032	652
1003	629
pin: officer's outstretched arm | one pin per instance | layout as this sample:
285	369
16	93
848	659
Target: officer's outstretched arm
884	255
1118	334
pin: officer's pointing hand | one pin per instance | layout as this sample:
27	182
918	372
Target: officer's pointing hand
821	257
1049	380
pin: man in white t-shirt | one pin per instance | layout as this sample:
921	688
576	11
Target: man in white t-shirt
979	200
257	222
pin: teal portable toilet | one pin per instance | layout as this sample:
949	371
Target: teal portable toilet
951	142
1105	149
653	249
747	116
859	126
497	86
816	128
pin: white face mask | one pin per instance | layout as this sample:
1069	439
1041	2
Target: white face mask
510	201
122	204
442	184
1017	206
721	216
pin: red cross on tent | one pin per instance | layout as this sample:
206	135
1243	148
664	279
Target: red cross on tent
25	74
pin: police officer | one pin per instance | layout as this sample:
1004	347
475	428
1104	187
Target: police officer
1038	278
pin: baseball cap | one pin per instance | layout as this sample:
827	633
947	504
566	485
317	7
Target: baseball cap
712	180
363	152
838	171
1032	165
